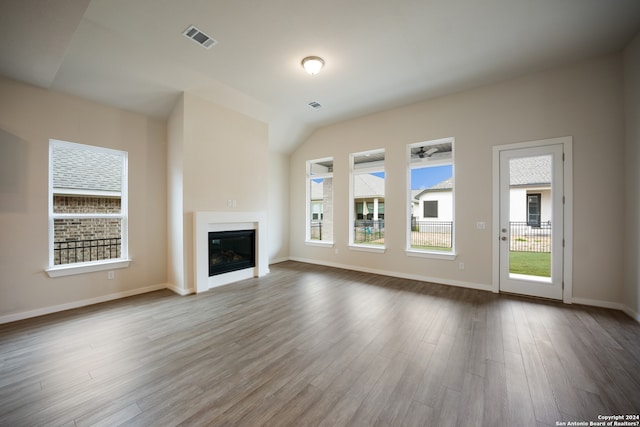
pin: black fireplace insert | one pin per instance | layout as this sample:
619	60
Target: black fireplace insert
231	251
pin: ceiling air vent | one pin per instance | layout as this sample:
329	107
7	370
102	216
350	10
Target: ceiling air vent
315	105
199	37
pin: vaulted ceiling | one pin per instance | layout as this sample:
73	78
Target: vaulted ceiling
379	53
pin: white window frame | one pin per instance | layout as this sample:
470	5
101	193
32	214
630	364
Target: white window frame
91	266
307	223
353	171
416	164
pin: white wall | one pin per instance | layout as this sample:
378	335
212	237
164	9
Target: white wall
29	117
220	155
632	178
278	207
583	100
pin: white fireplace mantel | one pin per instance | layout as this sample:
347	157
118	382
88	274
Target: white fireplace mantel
204	222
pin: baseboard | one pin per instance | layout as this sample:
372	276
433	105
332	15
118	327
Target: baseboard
278	260
420	278
76	304
597	303
180	291
629	312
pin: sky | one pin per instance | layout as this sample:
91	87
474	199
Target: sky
428	177
423	177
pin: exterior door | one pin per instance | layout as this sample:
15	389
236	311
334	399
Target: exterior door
531	221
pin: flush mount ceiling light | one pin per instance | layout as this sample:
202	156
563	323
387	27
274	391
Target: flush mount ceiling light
312	64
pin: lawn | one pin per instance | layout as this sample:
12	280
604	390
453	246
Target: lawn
530	263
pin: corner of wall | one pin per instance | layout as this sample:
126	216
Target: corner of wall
631	289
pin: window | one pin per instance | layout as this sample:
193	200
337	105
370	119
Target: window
533	209
431	197
87	208
431	209
367	199
320	201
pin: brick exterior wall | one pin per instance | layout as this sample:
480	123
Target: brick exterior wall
86	239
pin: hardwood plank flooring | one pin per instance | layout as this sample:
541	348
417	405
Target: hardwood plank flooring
315	346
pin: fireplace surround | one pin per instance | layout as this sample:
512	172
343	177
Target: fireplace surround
205	222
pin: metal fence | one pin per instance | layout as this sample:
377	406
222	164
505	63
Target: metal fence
73	251
527	238
431	234
368	231
316	230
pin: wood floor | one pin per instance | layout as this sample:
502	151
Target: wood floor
309	345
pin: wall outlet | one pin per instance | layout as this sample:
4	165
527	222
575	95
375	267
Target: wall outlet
111	275
337	251
481	225
461	266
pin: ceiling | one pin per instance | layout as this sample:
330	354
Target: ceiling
379	54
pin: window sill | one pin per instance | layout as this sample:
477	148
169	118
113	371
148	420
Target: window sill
319	243
433	255
365	248
86	267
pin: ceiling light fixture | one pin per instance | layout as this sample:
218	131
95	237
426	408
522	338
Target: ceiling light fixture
312	64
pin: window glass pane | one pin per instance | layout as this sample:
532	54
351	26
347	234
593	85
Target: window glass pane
320	182
368	180
431	226
86	239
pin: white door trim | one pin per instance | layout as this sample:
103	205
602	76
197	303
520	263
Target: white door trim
567	274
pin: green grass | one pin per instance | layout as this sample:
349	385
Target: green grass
530	263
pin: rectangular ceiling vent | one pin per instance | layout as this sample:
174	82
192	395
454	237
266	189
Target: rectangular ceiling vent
315	105
199	37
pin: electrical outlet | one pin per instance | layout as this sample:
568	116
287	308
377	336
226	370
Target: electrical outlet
461	266
481	225
111	275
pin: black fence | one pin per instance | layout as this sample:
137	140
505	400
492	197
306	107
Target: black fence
316	230
368	231
431	234
86	250
530	238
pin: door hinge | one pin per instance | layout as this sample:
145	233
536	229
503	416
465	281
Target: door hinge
563	156
563	285
563	200
563	243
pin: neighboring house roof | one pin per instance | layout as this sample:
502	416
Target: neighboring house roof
530	171
445	185
365	186
80	169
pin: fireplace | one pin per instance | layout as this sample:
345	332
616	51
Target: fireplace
231	251
205	222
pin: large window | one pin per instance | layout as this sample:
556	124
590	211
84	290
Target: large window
320	201
87	208
367	199
431	197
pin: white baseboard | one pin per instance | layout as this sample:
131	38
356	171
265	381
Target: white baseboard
180	291
420	278
278	260
629	312
76	304
597	303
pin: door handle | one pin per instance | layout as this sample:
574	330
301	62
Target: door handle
503	238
